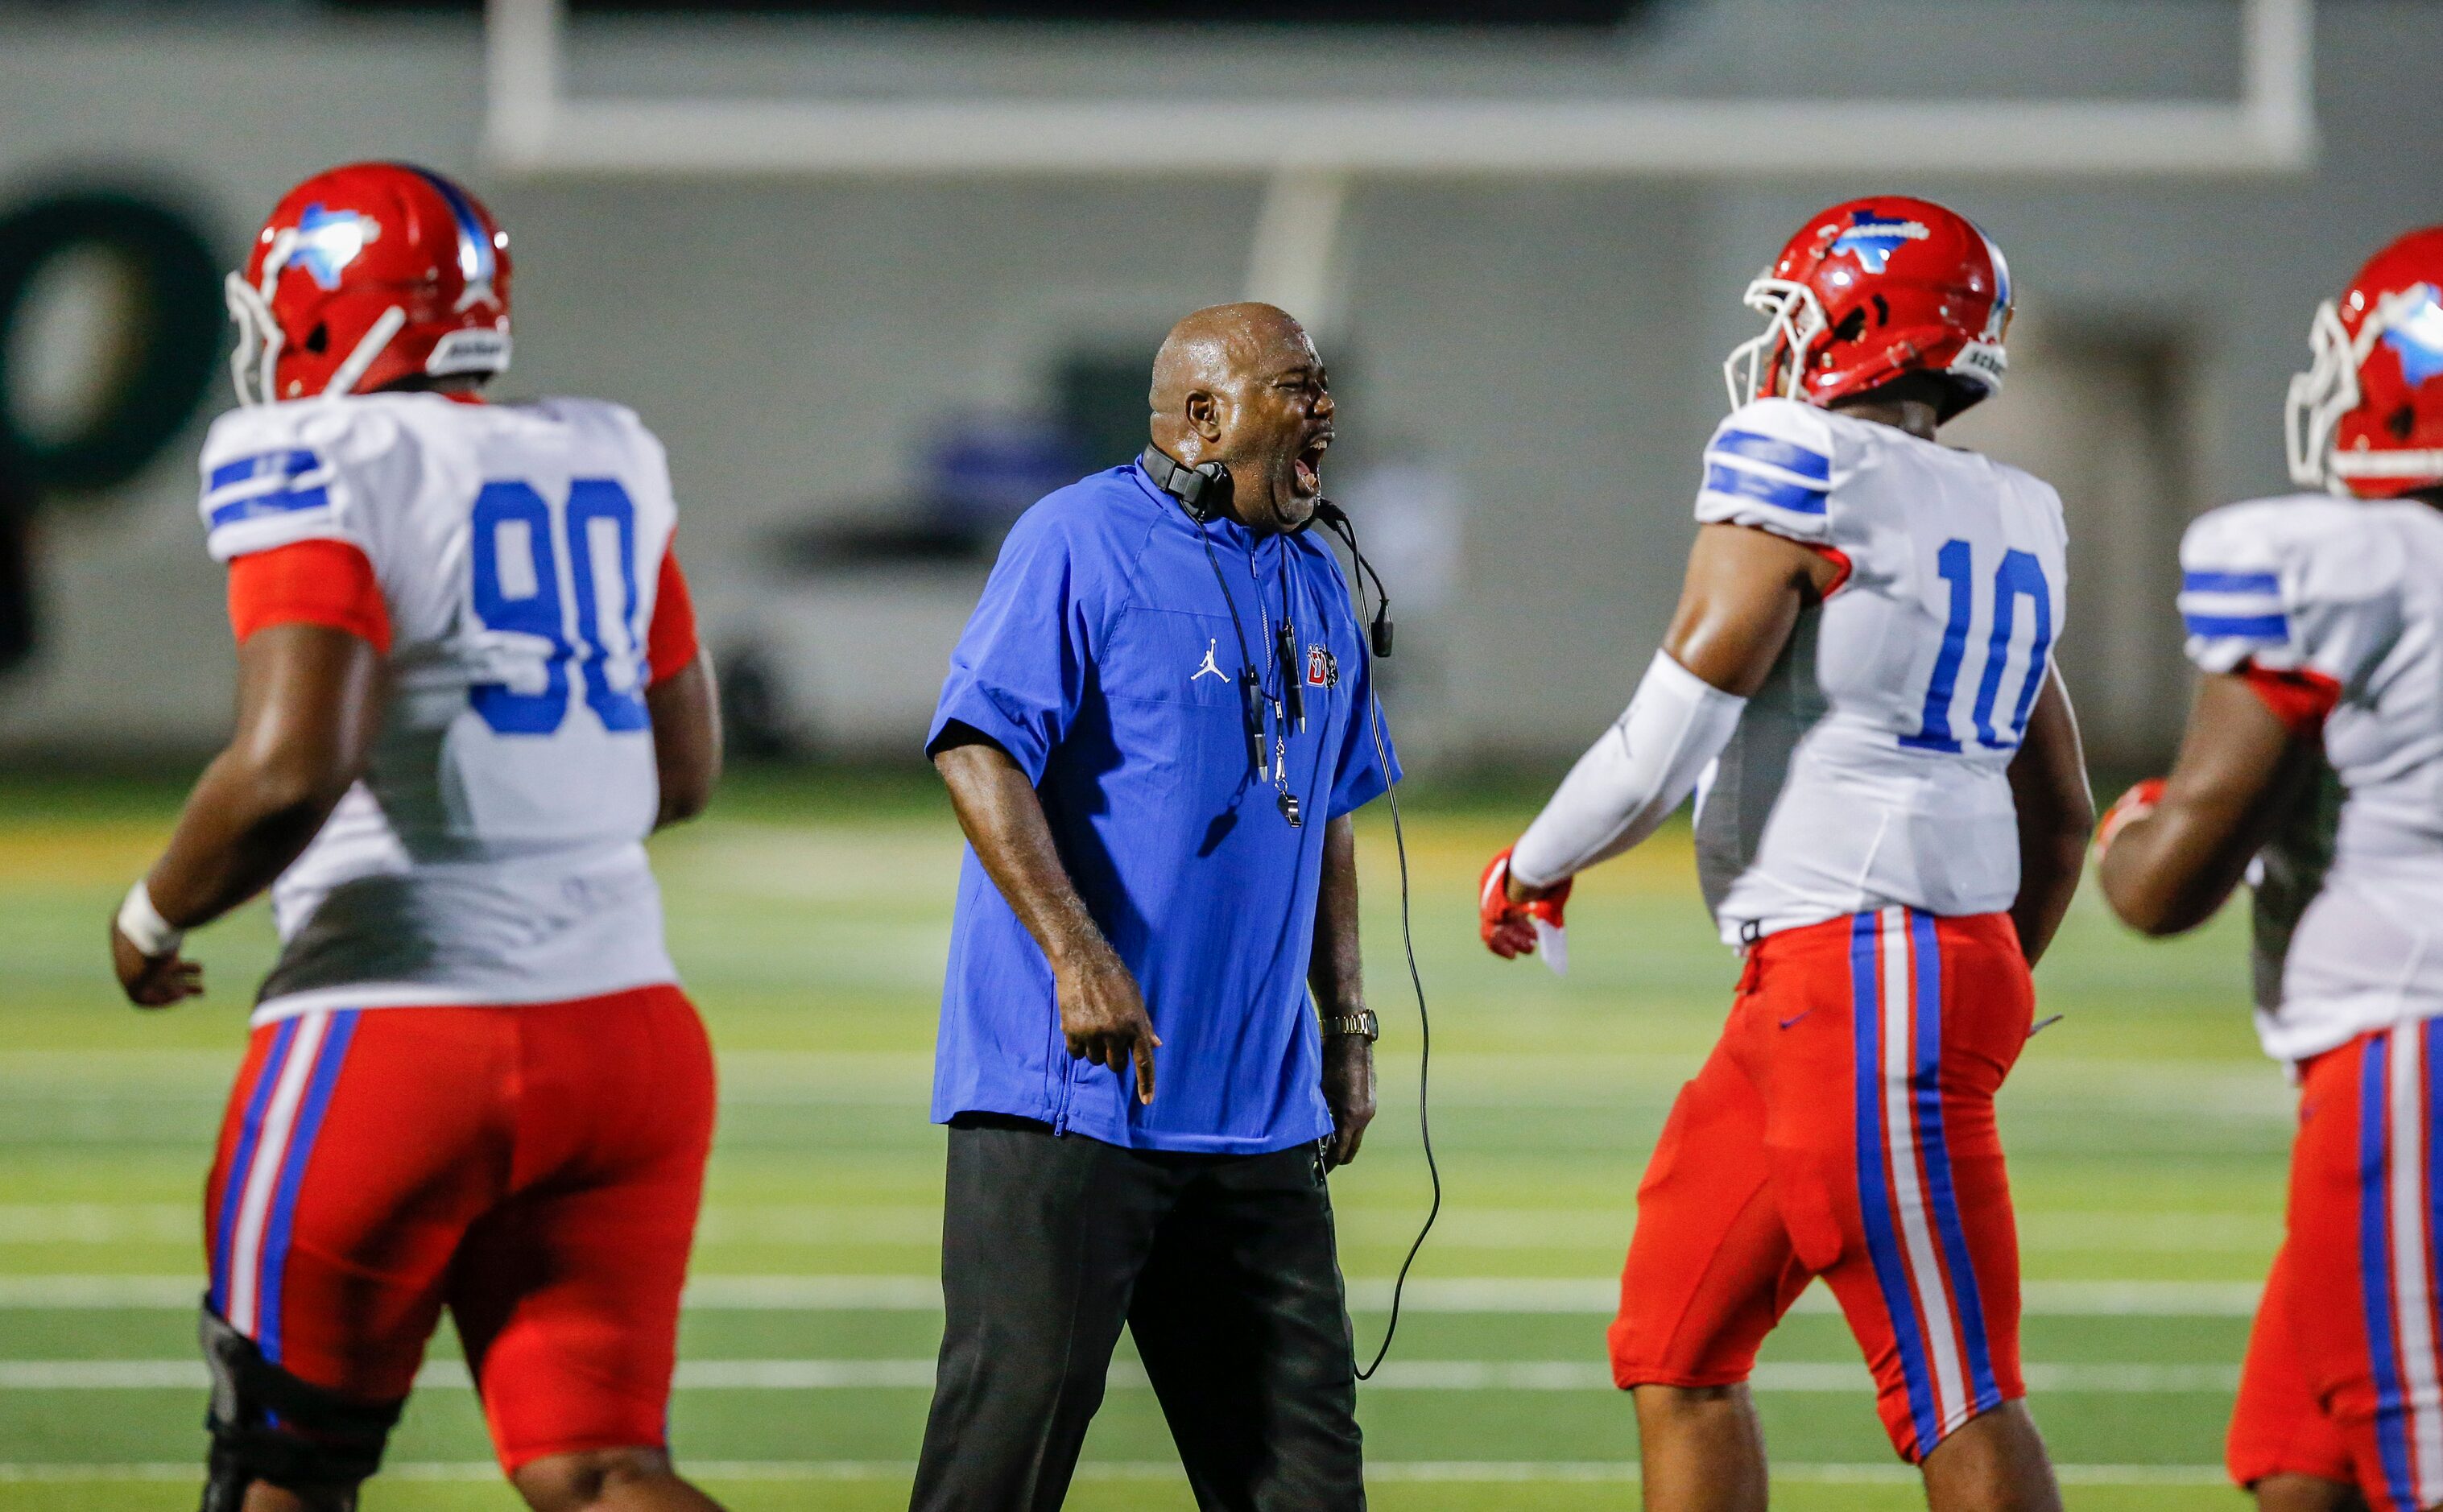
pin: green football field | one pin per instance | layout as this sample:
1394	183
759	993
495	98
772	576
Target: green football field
810	916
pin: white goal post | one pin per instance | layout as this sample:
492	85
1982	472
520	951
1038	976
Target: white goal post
534	127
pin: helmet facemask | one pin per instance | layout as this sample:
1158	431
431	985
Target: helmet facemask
2320	396
1768	365
254	360
2325	396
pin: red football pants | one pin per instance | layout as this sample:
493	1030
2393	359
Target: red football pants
537	1169
2345	1375
1843	1128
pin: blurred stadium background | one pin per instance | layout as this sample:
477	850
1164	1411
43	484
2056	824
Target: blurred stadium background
880	273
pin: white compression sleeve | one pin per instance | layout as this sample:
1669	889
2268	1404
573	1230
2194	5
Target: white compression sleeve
1644	766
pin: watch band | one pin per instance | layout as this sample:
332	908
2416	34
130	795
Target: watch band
1362	1024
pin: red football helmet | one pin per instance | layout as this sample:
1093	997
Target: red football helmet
2367	418
1871	289
365	275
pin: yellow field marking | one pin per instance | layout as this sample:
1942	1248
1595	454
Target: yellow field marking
46	855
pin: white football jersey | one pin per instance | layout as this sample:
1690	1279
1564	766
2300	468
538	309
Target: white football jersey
2349	897
492	851
1871	769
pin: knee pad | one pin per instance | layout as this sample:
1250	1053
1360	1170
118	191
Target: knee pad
266	1424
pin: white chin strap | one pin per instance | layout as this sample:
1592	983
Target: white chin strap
1793	323
2328	390
344	380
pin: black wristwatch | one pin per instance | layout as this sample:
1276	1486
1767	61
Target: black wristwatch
1362	1024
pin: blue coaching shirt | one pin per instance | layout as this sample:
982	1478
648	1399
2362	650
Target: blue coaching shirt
1101	658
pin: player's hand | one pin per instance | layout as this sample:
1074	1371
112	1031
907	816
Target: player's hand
152	981
1506	909
1349	1091
1103	1018
2126	809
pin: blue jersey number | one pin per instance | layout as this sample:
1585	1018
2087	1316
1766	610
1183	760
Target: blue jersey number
2020	575
516	560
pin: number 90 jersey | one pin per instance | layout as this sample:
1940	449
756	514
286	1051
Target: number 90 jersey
1872	769
492	851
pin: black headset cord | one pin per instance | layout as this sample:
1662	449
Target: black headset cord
1339	523
1251	719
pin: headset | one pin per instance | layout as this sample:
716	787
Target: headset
1204	491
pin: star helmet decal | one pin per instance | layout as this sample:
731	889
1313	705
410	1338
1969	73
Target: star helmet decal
1872	239
2416	338
326	241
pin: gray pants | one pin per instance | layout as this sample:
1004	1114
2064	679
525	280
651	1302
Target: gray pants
1223	1269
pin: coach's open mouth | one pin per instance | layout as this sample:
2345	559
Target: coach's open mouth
1307	466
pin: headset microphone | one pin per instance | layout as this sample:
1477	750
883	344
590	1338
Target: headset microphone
1336	519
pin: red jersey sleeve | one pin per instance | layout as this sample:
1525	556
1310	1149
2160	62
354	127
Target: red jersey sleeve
2299	698
670	641
309	582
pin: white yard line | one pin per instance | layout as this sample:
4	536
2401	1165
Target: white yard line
1597	1295
818	1224
917	1375
2246	1090
1457	1472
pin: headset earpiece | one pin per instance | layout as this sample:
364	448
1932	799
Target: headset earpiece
1202	490
1213	489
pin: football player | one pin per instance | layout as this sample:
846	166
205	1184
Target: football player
1892	806
2313	764
468	686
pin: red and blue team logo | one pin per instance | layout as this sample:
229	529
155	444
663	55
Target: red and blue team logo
326	241
2417	340
1322	667
1872	239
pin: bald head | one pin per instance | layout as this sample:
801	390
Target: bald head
1217	345
1241	383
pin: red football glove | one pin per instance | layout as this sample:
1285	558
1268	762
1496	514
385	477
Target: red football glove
2126	809
1509	929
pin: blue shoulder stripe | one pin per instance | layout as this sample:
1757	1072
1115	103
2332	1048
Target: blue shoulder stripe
1773	451
2239	627
1799	498
268	465
2216	582
261	504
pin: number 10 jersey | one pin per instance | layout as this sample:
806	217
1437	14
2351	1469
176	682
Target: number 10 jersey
492	852
1871	769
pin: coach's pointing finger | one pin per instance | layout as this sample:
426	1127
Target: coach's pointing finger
1147	1040
1103	1016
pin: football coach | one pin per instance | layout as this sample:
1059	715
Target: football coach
1154	730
